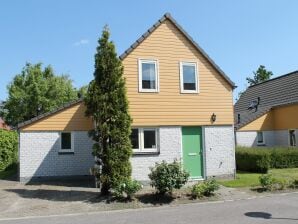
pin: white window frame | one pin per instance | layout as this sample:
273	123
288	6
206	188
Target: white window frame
261	143
140	62
290	137
141	148
182	90
72	142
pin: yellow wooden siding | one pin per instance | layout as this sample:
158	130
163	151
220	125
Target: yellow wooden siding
169	107
286	117
69	119
263	123
280	118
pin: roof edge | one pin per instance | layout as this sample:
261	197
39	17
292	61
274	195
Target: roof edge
41	116
157	24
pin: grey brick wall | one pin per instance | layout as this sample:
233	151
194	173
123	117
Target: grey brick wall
219	151
39	155
170	149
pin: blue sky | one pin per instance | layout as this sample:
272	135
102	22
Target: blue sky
237	35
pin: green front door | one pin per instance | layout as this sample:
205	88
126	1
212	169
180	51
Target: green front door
192	151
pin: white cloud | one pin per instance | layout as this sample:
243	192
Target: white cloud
81	42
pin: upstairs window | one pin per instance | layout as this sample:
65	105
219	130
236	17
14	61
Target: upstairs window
148	76
188	77
66	142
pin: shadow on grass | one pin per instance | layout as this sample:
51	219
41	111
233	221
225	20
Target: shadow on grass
155	199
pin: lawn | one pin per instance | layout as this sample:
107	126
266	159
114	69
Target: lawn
245	179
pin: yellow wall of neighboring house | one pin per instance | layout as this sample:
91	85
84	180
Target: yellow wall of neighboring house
279	118
69	119
169	106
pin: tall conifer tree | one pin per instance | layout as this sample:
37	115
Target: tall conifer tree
107	104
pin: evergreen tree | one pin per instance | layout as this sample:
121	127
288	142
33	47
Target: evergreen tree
107	104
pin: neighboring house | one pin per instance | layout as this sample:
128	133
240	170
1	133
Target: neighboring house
266	114
181	104
3	125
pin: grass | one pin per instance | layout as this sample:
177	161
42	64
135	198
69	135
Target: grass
8	172
245	179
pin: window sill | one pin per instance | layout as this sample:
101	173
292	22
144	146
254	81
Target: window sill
146	153
148	91
189	92
65	152
261	144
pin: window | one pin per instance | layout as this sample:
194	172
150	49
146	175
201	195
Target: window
292	137
148	76
238	119
66	142
144	140
260	138
188	77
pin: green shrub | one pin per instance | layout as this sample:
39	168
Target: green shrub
205	188
8	148
167	176
253	160
263	158
294	184
267	181
127	189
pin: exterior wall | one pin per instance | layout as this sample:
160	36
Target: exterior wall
265	122
170	149
272	138
286	117
219	151
169	107
69	119
39	157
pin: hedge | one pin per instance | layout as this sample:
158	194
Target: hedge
261	159
8	148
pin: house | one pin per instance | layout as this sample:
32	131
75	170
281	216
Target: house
266	114
3	125
181	104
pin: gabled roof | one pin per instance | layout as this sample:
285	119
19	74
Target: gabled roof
276	92
168	16
39	117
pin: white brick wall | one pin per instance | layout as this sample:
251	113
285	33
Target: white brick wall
272	138
39	155
170	149
219	151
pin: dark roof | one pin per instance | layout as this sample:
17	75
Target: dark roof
168	16
279	91
65	106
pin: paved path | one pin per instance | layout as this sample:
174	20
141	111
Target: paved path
273	209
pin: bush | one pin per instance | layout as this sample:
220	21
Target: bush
294	184
267	181
205	188
253	160
8	148
127	189
167	176
261	159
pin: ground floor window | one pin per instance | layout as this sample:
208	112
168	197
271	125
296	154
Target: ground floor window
260	138
144	140
292	137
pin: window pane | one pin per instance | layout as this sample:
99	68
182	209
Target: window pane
149	139
148	76
260	137
134	138
65	140
292	138
189	77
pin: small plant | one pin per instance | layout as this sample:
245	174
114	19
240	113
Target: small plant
167	176
127	189
267	181
205	188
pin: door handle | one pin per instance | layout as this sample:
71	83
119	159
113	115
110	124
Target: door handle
192	154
